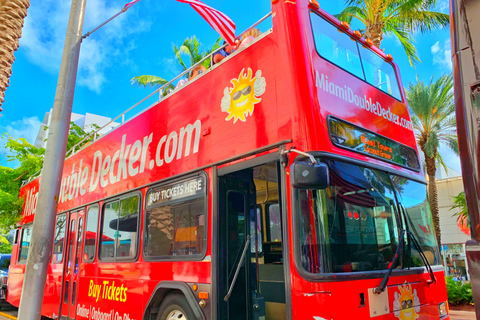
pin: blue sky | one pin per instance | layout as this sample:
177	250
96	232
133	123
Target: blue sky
140	42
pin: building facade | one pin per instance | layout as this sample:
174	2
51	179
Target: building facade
87	122
453	234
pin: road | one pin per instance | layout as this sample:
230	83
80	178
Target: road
11	314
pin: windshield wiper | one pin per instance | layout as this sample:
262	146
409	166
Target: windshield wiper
420	251
399	251
422	255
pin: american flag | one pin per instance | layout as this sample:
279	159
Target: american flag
131	3
218	20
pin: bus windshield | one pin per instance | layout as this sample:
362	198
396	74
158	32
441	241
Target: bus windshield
338	48
354	224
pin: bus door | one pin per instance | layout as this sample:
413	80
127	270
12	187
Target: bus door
71	267
251	280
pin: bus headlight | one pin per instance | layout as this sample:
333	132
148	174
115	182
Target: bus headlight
442	309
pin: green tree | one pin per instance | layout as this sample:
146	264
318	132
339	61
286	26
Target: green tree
191	48
399	18
31	161
5	246
460	205
434	124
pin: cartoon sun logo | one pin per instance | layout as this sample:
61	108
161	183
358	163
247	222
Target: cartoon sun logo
239	100
406	305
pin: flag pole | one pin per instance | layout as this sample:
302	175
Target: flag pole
40	251
124	9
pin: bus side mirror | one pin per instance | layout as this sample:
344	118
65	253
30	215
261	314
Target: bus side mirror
307	175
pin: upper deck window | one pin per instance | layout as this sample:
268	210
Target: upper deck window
344	51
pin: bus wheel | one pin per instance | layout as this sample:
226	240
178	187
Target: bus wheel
175	307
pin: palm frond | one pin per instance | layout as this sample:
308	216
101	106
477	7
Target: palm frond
442	163
349	13
148	81
425	21
433	115
406	39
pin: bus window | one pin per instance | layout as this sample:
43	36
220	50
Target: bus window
351	226
25	243
120	229
175	220
335	46
339	48
15	237
91	233
413	197
127	228
79	246
379	73
59	238
274	224
258	225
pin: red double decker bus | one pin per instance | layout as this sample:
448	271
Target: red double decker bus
283	183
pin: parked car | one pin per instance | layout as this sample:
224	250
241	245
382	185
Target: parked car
4	264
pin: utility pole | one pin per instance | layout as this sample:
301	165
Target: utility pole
44	224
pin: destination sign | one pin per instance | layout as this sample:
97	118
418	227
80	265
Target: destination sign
183	189
349	136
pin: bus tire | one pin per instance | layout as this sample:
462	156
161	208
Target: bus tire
175	307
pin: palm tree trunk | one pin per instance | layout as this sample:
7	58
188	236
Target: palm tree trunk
12	14
374	32
433	195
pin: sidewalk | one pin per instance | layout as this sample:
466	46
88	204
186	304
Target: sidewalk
462	315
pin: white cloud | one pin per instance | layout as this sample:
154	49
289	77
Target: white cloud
44	35
443	6
25	128
442	54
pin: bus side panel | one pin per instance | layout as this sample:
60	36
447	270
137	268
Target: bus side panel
116	295
15	279
121	289
53	290
196	105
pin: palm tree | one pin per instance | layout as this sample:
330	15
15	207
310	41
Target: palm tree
400	18
12	14
191	48
434	124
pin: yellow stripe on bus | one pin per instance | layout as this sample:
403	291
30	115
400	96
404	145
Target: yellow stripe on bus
8	316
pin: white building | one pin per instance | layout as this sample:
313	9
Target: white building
86	122
452	237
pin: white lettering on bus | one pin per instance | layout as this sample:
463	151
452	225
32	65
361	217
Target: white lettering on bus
83	180
122	163
146	143
31	202
82	311
346	93
128	161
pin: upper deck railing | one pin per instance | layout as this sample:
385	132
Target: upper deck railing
96	135
160	90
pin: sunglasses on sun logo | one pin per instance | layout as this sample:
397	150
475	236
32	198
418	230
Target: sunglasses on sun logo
245	91
406	304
